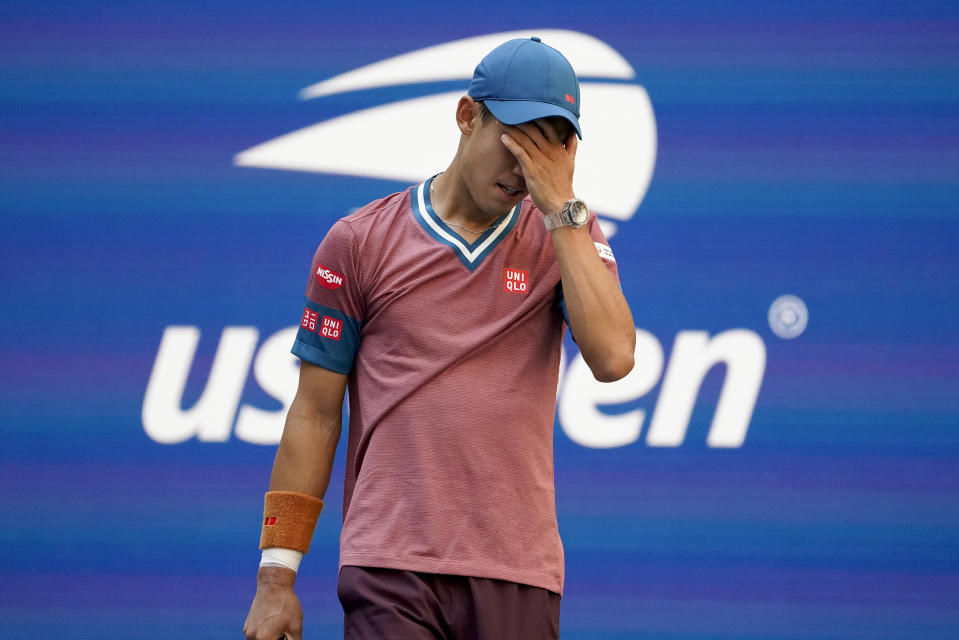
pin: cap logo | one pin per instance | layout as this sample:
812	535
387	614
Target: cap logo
570	99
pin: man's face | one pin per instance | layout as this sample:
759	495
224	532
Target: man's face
494	177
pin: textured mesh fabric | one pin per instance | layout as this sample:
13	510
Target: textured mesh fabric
452	388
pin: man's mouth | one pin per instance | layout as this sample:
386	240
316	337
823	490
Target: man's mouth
510	190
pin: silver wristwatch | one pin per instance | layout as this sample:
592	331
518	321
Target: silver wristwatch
574	214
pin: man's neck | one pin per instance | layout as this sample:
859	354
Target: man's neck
454	204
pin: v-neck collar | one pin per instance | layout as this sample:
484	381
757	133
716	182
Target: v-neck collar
471	254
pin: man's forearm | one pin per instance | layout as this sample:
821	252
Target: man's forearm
304	459
303	463
598	313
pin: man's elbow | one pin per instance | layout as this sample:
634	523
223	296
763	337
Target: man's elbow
613	367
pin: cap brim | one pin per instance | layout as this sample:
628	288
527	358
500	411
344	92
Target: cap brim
520	111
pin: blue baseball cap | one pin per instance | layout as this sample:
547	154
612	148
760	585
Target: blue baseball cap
525	79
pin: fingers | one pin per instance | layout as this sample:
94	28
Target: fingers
549	129
261	635
526	149
539	134
289	635
543	137
273	619
516	148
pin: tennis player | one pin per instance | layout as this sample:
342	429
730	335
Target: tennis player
442	309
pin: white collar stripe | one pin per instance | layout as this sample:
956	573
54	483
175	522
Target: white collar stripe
454	241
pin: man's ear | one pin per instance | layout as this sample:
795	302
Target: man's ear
467	112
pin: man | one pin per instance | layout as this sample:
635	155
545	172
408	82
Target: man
442	309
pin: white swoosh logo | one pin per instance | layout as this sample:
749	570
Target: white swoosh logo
401	140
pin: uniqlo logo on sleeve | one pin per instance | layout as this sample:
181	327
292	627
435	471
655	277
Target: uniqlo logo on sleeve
328	278
309	320
331	328
516	281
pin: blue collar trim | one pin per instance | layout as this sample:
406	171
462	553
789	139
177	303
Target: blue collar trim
470	254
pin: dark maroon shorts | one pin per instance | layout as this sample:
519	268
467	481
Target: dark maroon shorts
389	604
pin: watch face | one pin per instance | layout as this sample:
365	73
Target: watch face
580	212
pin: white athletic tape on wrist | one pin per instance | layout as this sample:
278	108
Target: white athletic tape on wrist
277	557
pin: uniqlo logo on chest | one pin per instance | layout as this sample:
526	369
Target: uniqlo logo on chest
331	328
328	278
309	320
516	281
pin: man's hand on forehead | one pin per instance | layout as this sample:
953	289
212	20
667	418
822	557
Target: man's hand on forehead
556	130
546	160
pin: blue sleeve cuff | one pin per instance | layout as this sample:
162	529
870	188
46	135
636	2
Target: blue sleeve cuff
327	337
315	356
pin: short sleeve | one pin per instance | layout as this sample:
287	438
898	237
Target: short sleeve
602	245
605	253
333	307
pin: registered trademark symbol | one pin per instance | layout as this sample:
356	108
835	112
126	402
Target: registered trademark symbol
788	317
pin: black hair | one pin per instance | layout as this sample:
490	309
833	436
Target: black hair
485	112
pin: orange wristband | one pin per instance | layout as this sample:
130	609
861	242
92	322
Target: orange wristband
289	519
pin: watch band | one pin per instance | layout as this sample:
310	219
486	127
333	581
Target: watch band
554	220
574	214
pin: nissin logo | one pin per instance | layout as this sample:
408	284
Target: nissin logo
614	165
328	278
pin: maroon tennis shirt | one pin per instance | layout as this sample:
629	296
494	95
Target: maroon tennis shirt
452	350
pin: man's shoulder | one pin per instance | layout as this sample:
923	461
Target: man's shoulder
391	206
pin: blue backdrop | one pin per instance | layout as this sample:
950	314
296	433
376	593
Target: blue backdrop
802	148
